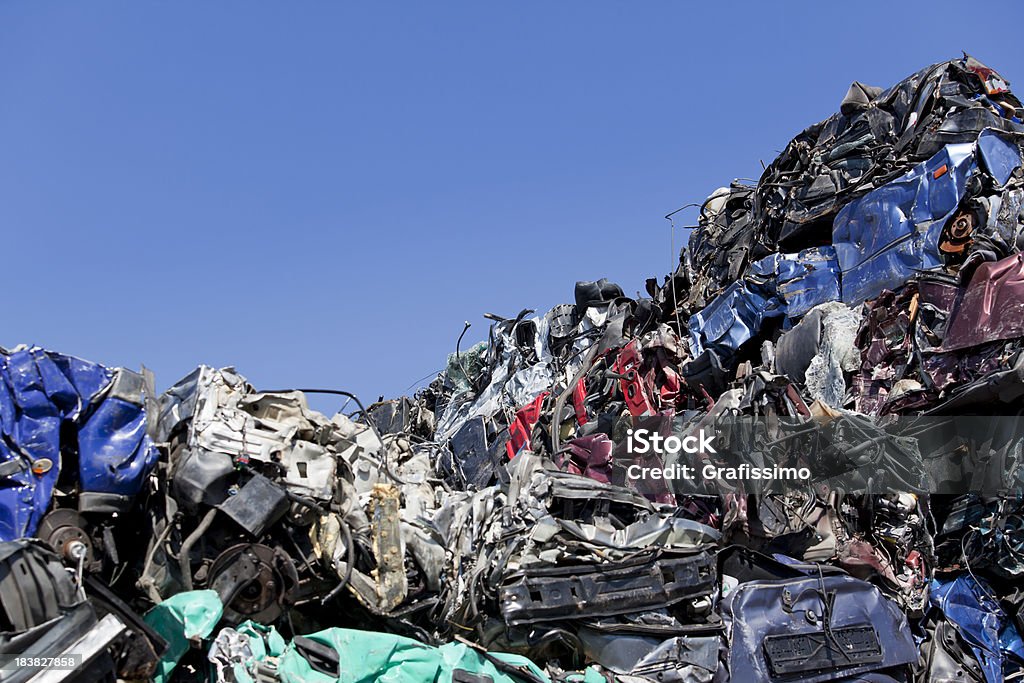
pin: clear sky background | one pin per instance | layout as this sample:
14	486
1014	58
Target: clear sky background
321	193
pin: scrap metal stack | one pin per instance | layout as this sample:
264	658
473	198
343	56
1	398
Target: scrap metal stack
858	314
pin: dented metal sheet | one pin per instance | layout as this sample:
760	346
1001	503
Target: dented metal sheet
51	403
992	307
892	233
229	423
818	628
777	285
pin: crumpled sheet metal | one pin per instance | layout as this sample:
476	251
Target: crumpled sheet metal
777	285
803	280
970	606
992	307
515	387
890	234
43	393
732	319
228	421
590	456
820	351
720	248
838	160
537	496
682	659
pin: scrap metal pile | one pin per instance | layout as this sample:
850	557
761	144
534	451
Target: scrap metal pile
858	315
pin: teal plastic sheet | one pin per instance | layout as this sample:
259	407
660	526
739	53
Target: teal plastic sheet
181	619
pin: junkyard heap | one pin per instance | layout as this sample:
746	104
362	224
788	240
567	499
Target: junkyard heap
858	314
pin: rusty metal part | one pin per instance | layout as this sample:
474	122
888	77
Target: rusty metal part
388	546
64	531
254	581
959	232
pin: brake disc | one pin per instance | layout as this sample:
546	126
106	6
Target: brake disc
254	581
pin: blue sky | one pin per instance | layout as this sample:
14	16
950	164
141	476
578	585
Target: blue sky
321	193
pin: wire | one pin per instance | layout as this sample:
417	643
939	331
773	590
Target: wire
424	377
145	580
672	279
350	550
826	620
967	563
458	354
